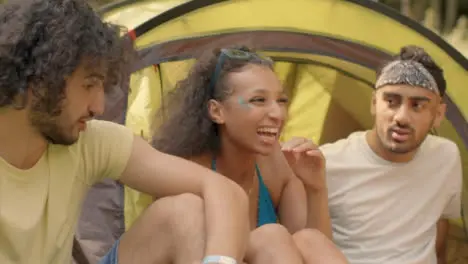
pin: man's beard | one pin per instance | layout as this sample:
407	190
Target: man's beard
46	122
53	133
405	147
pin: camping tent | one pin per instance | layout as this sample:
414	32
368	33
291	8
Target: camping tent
325	52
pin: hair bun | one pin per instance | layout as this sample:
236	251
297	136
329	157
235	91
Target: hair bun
415	53
418	54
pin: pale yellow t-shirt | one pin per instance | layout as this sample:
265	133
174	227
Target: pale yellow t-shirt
40	207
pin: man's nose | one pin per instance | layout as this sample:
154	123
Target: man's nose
402	115
98	101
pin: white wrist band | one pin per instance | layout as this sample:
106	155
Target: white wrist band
219	260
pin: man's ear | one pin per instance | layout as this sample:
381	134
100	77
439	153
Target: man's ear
373	102
215	110
439	114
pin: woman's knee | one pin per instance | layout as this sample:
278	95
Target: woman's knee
310	238
180	211
270	234
166	226
315	247
177	207
272	243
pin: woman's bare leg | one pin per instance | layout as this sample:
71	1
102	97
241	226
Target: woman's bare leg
272	244
171	230
316	248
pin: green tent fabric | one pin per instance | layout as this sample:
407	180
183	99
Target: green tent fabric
325	51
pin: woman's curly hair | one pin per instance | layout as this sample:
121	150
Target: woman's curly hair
42	42
188	130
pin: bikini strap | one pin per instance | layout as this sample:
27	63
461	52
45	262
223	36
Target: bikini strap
259	175
213	164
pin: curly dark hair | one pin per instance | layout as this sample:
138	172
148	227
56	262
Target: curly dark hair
418	54
42	42
188	130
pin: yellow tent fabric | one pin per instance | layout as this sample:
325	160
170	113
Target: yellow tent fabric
326	53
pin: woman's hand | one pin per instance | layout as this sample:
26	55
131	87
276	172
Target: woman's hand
307	162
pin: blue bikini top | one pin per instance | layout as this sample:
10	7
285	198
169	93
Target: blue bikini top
266	208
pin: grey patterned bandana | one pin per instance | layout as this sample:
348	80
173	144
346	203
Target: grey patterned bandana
407	72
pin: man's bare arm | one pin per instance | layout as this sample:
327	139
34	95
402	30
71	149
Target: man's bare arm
441	240
226	205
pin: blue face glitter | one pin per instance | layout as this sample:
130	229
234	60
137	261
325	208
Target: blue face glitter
242	102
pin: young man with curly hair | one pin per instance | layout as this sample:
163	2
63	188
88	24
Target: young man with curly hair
57	61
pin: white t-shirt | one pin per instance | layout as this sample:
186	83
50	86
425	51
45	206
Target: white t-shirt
384	212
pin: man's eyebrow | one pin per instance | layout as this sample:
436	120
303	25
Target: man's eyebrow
95	75
390	94
420	98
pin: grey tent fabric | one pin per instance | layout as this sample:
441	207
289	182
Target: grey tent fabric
102	220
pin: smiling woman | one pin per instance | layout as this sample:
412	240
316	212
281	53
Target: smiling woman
200	103
227	115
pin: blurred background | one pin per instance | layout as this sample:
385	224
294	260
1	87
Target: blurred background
448	18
